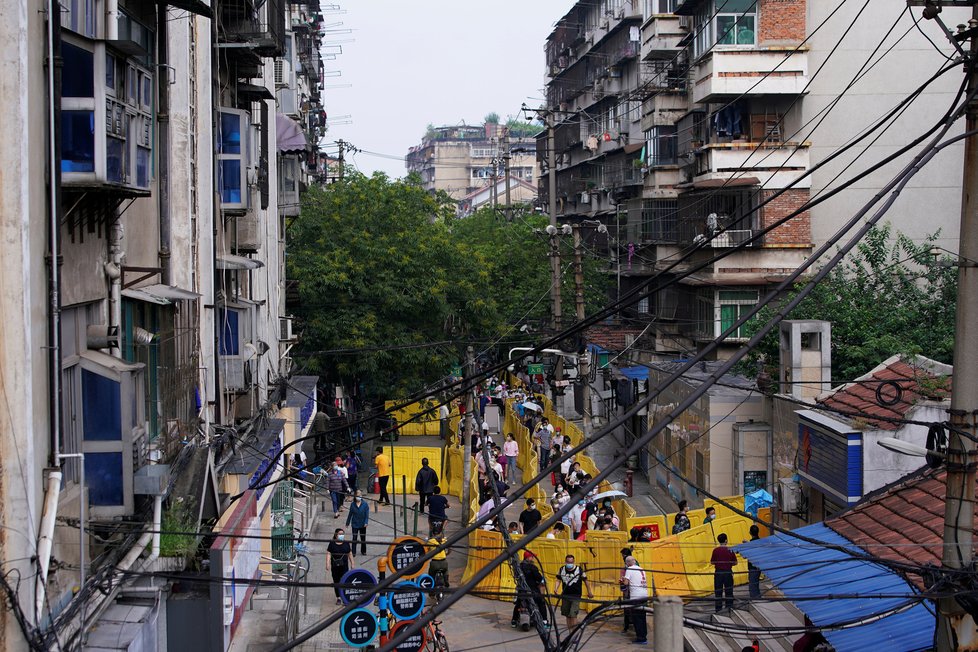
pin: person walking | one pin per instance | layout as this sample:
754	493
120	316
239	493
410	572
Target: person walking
383	464
638	590
338	488
753	572
723	560
357	519
339	559
543	435
574	580
529	517
352	468
425	482
537	585
511	449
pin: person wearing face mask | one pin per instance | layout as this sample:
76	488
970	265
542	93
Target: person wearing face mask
338	488
576	514
574	580
339	559
357	519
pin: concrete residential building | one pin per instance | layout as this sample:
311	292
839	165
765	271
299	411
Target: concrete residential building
721	99
463	159
145	186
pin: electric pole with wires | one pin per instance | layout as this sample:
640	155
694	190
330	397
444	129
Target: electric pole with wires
955	625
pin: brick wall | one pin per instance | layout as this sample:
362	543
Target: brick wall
798	230
782	22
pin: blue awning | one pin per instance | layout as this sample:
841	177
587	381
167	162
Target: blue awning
802	571
634	373
597	349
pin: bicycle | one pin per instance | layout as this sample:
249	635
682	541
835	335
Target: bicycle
435	640
441	584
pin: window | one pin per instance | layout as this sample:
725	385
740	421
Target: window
483	151
107	117
736	22
80	16
653	7
661	143
732	305
482	173
232	158
660	219
230	332
642	307
725	22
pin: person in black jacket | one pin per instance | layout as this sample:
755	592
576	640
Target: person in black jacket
425	482
537	585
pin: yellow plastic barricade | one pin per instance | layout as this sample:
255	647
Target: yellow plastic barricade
722	510
603	562
406	461
764	516
451	481
658	524
665	559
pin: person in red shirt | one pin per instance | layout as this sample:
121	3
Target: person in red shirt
723	560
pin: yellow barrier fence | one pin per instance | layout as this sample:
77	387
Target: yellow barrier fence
427	421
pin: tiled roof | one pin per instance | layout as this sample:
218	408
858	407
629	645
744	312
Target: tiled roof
903	522
861	395
611	337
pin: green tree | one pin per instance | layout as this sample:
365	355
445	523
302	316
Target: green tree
491	118
887	297
383	270
378	271
519	129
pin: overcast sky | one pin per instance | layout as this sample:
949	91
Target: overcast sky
415	62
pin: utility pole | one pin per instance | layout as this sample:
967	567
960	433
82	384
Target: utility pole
584	367
955	627
506	146
493	191
668	624
467	431
341	144
554	245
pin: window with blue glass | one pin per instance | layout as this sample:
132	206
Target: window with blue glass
232	153
77	141
101	407
230	332
105	480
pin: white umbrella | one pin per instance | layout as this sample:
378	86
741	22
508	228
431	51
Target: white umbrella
530	405
614	493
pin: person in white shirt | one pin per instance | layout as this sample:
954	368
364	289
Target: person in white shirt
511	449
576	514
638	590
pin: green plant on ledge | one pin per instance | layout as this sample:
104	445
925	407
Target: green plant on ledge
176	540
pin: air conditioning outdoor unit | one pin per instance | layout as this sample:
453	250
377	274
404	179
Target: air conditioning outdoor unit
247	236
285	329
791	499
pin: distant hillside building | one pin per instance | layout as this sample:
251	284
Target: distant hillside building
464	159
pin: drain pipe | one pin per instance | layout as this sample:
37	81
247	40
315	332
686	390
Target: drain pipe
45	540
112	20
113	271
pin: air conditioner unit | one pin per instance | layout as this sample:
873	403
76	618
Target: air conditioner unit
791	498
285	329
235	373
739	236
247	236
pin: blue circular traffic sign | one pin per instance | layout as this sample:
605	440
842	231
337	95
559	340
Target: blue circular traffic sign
406	601
426	582
358	628
358	583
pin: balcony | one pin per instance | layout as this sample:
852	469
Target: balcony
723	74
774	165
259	25
661	37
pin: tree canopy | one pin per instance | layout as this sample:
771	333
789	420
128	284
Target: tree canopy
392	287
889	296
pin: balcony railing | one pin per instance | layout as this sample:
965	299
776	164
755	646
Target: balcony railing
260	25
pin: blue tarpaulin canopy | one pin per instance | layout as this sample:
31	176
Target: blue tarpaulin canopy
756	500
634	373
803	571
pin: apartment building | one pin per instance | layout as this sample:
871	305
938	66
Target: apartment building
147	175
465	159
675	119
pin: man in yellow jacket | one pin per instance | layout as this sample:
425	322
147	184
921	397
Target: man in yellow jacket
383	475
